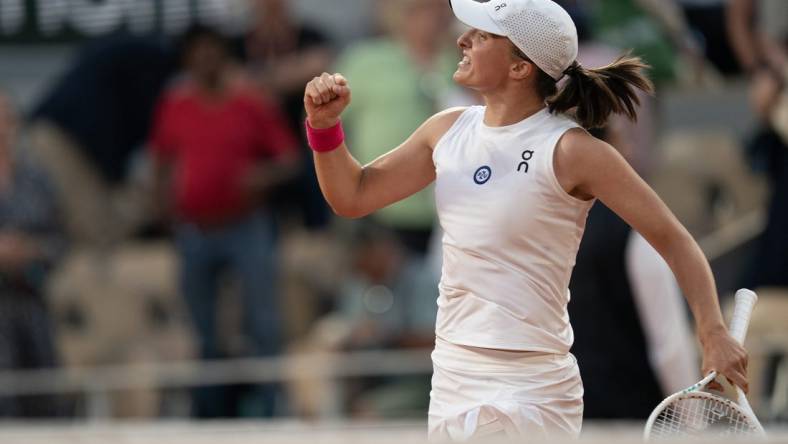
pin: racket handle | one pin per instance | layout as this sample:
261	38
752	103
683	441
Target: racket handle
745	301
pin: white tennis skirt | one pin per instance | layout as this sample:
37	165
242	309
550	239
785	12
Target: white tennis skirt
479	392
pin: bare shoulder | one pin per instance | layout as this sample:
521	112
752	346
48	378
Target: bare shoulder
437	125
578	149
579	155
578	142
450	113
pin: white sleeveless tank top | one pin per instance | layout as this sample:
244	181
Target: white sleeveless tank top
511	234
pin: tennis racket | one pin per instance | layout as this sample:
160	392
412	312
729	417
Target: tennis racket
693	412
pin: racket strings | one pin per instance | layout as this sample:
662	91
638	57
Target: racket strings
701	416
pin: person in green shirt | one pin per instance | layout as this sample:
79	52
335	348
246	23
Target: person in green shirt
399	80
655	30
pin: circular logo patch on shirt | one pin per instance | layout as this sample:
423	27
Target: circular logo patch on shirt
482	175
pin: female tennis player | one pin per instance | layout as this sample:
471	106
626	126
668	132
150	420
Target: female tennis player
514	182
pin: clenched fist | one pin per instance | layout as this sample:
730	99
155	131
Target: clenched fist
325	98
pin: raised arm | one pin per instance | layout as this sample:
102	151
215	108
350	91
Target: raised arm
739	16
587	167
353	190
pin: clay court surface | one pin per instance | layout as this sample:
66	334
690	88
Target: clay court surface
282	432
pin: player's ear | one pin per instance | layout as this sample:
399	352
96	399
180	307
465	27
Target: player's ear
520	69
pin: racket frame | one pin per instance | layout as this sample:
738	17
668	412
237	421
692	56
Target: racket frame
695	392
744	302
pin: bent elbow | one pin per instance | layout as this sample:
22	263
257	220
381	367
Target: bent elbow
348	211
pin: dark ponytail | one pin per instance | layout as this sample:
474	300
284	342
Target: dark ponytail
591	95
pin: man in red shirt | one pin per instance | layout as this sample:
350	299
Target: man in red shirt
219	147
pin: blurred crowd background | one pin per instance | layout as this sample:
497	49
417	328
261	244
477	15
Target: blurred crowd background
165	251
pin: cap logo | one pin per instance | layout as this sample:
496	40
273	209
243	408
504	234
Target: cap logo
500	6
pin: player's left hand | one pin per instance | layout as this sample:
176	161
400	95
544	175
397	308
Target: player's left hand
723	354
325	97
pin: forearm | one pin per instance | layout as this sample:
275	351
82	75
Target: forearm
350	189
739	13
695	278
721	352
340	177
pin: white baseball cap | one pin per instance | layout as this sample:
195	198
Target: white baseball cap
541	29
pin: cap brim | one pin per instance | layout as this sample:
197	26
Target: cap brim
475	15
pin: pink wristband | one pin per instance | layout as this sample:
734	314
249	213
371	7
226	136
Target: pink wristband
323	140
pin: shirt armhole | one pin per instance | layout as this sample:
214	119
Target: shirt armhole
452	129
553	178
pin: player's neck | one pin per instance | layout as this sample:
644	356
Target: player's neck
508	109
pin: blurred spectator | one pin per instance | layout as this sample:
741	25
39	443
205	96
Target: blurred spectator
388	301
632	335
400	80
226	146
88	127
30	244
656	30
759	33
758	29
707	20
284	55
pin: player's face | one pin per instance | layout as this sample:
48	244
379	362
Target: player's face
486	60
